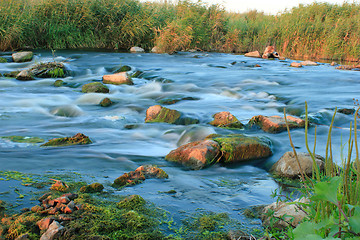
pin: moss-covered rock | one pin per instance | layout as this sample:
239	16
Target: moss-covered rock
139	175
95	87
22	139
92	188
25	75
59	186
175	99
78	139
239	148
196	155
59	83
3	60
106	102
225	120
276	124
124	68
158	113
12	74
49	70
25	56
132	202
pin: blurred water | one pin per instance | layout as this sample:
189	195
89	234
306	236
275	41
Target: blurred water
221	82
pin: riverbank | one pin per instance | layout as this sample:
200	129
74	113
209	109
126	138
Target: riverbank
316	31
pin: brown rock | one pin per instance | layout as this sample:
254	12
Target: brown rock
152	172
254	54
308	63
225	120
59	186
270	52
117	79
276	124
196	155
288	167
64	200
294	215
25	75
45	223
69	208
296	64
78	139
348	67
37	208
45	196
54	231
158	113
333	63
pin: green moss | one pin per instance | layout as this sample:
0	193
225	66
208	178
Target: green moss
78	139
124	68
22	139
12	74
96	87
92	188
3	60
57	73
132	202
15	175
167	115
136	74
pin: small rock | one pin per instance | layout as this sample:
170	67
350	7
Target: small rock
270	53
333	64
124	68
225	120
63	199
276	124
77	139
346	111
92	188
196	155
296	64
25	75
45	223
348	67
59	83
106	102
158	113
257	65
254	54
22	56
59	186
117	79
280	209
288	167
70	208
54	231
137	50
156	50
308	63
139	175
95	87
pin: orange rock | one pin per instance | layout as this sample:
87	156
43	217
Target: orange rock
196	155
226	120
59	186
308	63
276	124
295	64
270	53
158	113
45	223
117	79
152	112
254	54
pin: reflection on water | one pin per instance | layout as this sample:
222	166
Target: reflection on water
215	82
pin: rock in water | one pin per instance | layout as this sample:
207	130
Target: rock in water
77	139
22	56
225	120
254	54
49	70
237	148
288	167
137	50
196	155
139	175
296	64
25	75
95	87
308	63
117	79
106	102
92	188
158	113
270	53
276	124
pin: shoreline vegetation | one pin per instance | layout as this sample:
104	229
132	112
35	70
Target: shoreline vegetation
317	31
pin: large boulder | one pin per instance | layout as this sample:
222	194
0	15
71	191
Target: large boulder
78	139
139	175
254	54
158	113
53	232
196	155
22	56
283	215
276	124
225	120
137	50
288	167
237	148
117	79
95	87
270	53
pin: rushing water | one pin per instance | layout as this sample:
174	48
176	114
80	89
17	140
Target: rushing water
221	82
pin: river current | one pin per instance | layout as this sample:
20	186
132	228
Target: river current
218	82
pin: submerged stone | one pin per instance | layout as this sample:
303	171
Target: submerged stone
59	83
308	63
225	120
346	111
22	139
95	87
276	124
158	113
296	65
78	139
67	111
139	175
175	99
239	148
22	56
196	155
106	102
288	167
92	188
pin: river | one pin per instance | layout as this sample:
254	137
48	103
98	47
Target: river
217	82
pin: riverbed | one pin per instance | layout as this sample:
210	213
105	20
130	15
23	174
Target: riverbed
211	83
